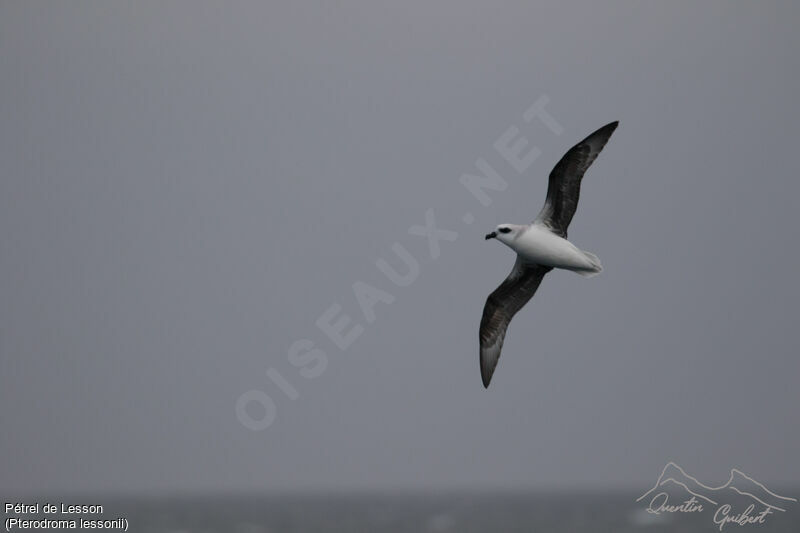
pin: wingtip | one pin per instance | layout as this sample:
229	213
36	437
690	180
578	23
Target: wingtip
486	375
603	133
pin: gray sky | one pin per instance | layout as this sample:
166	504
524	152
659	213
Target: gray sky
185	188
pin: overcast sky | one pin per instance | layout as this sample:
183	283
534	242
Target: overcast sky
187	187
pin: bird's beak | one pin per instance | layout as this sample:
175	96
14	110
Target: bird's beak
491	235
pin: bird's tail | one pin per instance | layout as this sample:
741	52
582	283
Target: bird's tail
595	268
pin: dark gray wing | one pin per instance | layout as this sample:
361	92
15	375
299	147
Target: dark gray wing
564	187
501	306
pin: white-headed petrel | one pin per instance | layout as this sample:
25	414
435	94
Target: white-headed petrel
540	246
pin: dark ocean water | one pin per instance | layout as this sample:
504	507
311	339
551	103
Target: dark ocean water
407	513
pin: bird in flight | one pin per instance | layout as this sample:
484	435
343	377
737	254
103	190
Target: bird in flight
541	246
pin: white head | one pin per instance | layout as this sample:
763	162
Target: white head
505	233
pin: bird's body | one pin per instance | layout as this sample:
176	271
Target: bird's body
537	244
541	246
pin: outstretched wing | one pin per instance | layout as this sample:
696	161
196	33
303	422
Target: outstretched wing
501	306
564	186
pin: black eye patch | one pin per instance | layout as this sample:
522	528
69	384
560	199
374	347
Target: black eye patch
504	230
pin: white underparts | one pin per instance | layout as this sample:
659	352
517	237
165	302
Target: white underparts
537	244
